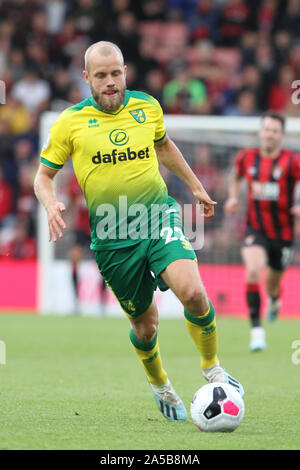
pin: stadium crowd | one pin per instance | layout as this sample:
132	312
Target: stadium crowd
218	57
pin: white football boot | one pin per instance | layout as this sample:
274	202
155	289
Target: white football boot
257	339
273	309
218	374
168	402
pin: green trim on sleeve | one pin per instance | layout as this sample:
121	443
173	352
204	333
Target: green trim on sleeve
52	165
158	140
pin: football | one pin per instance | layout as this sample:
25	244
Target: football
217	407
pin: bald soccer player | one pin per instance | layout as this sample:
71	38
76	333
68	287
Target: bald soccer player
116	138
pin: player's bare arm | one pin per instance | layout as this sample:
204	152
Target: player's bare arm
171	157
45	192
232	202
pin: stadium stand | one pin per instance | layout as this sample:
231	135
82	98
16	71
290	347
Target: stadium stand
222	57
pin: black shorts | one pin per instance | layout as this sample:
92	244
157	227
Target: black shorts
82	238
279	252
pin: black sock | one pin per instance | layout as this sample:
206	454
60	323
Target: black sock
75	279
253	300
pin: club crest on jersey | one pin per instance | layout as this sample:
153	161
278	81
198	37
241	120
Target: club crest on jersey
277	172
138	115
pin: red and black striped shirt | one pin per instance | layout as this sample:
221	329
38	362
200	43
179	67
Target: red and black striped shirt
271	183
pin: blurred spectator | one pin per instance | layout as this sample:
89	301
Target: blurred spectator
74	95
7	163
60	85
152	10
184	94
182	9
38	30
116	7
126	35
294	57
203	21
289	19
75	71
6	201
282	42
281	91
64	45
154	81
6	31
265	61
219	88
32	92
203	167
245	105
15	115
22	245
90	17
38	59
147	52
23	151
55	11
266	15
248	46
132	77
16	64
26	200
251	80
235	19
208	173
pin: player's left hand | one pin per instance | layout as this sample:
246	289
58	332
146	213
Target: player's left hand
295	210
207	203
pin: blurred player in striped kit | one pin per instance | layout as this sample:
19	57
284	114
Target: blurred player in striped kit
271	173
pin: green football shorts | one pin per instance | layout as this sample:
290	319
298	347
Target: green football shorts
133	272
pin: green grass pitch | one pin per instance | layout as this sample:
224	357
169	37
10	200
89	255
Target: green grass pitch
75	383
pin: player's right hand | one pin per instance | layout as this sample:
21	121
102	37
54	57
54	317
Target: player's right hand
231	205
55	221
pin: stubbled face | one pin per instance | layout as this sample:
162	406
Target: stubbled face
271	135
106	76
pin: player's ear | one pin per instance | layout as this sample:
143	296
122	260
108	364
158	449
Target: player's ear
125	70
86	77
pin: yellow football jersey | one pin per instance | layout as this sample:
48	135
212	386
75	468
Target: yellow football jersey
113	157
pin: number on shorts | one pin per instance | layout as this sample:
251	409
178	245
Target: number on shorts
170	237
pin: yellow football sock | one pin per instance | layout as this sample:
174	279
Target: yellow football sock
149	356
204	333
